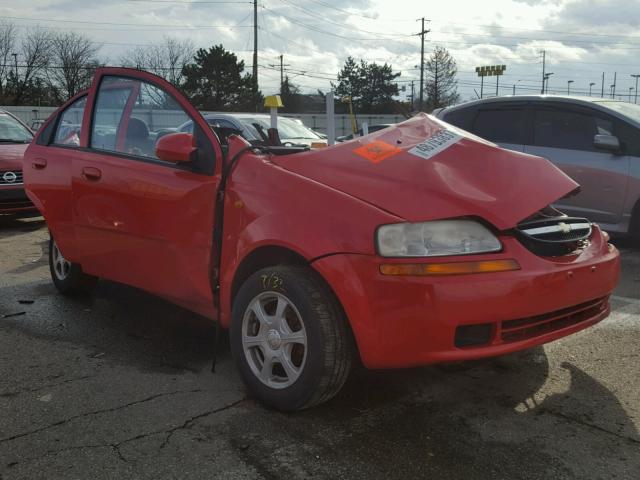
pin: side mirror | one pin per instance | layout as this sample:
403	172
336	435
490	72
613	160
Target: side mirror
175	147
607	142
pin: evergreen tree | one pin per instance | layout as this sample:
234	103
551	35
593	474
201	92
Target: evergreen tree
440	83
217	81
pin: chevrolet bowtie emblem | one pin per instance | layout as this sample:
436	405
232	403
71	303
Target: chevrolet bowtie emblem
564	227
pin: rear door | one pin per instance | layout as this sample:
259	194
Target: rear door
565	136
140	220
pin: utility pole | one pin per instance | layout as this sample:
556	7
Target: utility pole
255	53
630	90
15	61
413	96
544	77
591	85
602	93
422	33
636	77
282	65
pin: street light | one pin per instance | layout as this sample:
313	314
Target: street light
630	90
636	77
591	85
569	82
514	86
546	77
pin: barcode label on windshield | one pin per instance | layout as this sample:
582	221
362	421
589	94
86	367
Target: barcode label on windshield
436	144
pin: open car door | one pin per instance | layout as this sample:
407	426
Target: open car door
145	216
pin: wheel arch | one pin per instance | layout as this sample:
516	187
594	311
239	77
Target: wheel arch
271	255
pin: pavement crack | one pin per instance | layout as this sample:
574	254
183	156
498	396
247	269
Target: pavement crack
35	389
96	412
571	419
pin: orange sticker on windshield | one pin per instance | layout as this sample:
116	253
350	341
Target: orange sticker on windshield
377	151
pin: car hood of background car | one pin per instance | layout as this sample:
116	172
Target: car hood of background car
425	169
11	155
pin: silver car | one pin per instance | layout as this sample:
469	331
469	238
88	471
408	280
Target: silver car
253	127
595	141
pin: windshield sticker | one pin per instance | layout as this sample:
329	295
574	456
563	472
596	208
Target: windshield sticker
377	151
436	144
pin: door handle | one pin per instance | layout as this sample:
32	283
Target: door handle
39	163
91	173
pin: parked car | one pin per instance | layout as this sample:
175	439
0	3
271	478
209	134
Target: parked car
402	249
371	128
593	140
14	137
253	127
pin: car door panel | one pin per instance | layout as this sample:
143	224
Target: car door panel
48	172
139	220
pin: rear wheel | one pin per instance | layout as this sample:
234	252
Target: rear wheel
289	338
68	277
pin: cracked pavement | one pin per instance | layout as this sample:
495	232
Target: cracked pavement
118	385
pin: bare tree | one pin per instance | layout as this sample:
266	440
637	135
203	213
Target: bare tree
74	61
34	57
8	33
165	59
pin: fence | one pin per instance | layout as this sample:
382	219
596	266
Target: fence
160	119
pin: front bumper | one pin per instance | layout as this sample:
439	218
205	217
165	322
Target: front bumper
14	200
408	321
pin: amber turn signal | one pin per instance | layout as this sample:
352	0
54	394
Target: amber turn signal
452	268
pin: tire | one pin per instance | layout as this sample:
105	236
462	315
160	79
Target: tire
68	277
303	331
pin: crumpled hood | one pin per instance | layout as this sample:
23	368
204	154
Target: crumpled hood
11	155
425	169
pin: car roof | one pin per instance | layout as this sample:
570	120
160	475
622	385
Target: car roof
592	102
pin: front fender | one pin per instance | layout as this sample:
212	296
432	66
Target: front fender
267	205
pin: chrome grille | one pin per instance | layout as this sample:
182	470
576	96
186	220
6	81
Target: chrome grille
554	236
11	177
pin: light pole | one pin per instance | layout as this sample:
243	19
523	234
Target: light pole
514	86
546	77
630	90
591	85
636	88
569	82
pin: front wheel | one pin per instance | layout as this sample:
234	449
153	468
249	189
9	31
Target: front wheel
68	277
289	338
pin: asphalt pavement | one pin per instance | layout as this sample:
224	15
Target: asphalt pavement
117	385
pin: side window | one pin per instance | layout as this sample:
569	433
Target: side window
70	124
461	118
568	129
130	115
629	138
504	125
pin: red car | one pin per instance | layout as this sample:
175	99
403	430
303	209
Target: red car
14	137
417	244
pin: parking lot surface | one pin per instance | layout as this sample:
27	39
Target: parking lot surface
118	385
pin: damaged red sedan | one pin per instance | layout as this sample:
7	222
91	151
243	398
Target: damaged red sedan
417	244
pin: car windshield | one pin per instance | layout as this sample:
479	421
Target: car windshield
287	128
627	109
12	131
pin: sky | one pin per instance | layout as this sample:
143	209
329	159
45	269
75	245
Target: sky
581	38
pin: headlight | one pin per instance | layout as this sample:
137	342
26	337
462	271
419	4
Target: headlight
435	239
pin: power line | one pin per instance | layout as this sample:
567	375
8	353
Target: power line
319	30
122	24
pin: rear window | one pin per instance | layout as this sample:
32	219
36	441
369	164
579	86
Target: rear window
501	125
